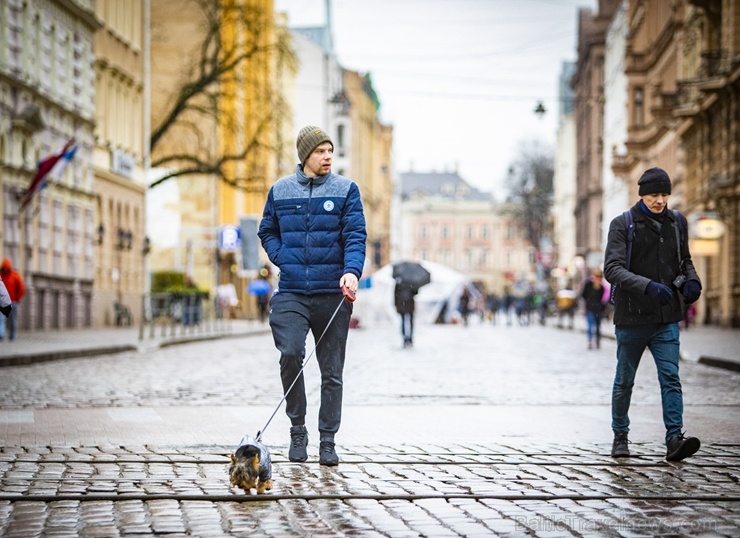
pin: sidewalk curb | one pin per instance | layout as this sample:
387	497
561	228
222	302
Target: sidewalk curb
720	363
32	358
45	356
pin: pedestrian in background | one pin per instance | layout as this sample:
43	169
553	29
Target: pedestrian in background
650	297
404	298
567	302
16	290
464	306
313	230
593	298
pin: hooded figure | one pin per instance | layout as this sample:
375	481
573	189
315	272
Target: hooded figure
15	289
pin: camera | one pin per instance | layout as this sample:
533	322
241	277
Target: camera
679	281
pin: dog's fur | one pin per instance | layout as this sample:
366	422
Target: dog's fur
251	466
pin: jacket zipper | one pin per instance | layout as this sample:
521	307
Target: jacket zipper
308	222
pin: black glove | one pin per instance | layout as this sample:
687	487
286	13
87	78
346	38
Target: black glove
6	310
659	291
691	291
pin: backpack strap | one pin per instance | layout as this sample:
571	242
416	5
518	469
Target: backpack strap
681	232
630	224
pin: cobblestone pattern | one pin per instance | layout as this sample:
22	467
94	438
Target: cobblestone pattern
429	490
378	372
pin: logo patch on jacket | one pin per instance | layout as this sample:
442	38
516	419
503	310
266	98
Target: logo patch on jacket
328	205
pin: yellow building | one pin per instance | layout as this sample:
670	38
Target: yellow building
222	115
370	156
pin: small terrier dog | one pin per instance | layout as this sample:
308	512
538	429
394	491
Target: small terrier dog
251	466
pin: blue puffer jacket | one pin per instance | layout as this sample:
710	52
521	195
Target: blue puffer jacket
313	229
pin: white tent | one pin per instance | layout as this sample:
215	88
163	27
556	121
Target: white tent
375	304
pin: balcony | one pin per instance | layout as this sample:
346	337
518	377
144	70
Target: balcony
688	98
714	70
622	164
662	112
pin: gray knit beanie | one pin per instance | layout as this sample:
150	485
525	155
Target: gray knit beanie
654	181
308	138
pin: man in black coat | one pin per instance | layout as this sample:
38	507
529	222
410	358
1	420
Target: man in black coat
651	294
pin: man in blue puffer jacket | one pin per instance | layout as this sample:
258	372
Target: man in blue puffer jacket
313	230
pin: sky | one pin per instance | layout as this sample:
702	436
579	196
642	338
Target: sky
457	79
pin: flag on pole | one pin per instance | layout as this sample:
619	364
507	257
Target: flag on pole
61	165
43	170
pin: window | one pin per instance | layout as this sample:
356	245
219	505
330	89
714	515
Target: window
340	136
483	258
638	107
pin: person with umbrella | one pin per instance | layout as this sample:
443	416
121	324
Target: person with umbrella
409	277
261	289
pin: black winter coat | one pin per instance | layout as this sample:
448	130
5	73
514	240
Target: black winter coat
404	298
593	296
654	257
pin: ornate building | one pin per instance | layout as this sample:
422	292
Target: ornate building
705	105
683	70
47	95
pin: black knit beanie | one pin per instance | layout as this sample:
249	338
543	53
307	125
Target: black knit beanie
654	181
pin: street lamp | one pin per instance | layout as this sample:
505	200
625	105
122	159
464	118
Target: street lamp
100	235
540	109
125	238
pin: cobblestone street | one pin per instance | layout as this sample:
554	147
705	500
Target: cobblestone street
477	431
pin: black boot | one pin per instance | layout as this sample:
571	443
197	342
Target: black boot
680	447
327	454
619	446
298	444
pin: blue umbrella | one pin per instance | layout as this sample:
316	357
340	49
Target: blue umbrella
259	287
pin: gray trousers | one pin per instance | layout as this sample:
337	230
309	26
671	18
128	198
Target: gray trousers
291	317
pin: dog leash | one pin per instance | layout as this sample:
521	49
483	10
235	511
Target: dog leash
347	295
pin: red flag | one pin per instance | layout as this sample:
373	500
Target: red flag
42	170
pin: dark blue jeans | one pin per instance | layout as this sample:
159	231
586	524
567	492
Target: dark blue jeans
291	317
663	342
593	326
11	323
407	326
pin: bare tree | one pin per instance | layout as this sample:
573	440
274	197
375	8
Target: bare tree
228	109
531	190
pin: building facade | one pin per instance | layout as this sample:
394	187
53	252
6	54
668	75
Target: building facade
588	85
564	184
370	145
671	77
47	96
705	106
447	221
120	159
615	188
213	163
345	103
